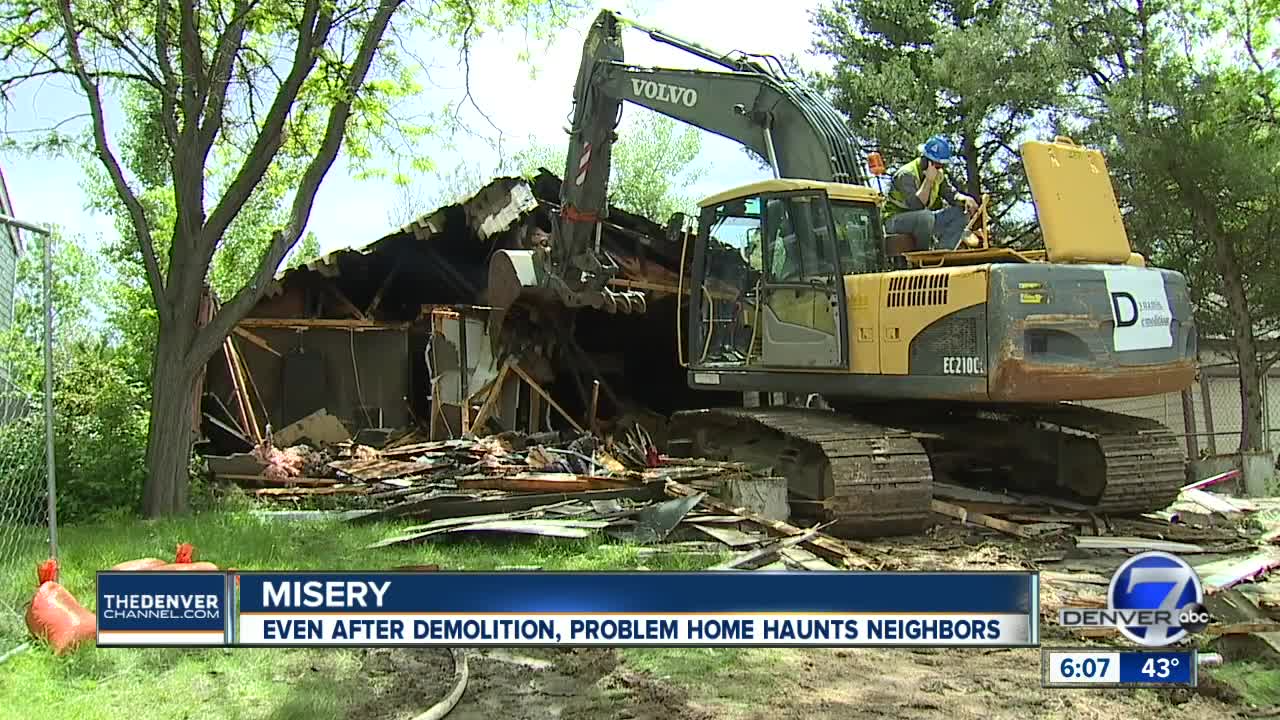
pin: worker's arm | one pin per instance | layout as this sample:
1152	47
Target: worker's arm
916	196
952	197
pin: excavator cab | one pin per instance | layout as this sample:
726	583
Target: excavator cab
769	273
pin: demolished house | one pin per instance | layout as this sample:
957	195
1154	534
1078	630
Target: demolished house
372	336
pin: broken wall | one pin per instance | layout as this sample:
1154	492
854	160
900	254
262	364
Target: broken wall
361	376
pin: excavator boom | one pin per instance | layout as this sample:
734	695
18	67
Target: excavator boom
795	129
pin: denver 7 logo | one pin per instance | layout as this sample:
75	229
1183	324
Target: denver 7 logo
1160	582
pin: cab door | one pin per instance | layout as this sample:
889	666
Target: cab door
803	317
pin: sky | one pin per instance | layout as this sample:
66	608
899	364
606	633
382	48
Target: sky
351	212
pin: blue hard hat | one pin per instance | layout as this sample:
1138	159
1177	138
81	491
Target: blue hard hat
937	149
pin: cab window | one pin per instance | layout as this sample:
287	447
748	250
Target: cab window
798	229
857	242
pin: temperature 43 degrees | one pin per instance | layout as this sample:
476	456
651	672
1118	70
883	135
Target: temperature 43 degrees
1118	668
1161	668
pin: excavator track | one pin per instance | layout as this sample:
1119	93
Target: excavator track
1107	462
869	480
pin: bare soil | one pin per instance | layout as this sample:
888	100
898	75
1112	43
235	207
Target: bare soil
938	684
529	684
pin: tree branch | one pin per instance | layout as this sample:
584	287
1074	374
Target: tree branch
169	95
136	212
220	76
189	53
211	335
312	32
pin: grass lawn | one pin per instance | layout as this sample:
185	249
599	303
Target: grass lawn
1258	682
245	683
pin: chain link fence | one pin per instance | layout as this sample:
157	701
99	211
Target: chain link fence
24	514
1207	416
28	520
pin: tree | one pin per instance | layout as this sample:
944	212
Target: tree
1194	144
228	103
985	74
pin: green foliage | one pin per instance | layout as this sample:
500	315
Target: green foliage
653	163
100	409
985	74
1189	121
234	113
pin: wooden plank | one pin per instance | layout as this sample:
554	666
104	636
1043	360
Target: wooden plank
545	482
237	391
495	392
964	515
1048	519
533	385
731	537
344	302
284	482
825	546
352	324
313	491
759	556
382	289
1209	501
969	496
1136	543
258	340
237	364
1245	628
805	560
436	508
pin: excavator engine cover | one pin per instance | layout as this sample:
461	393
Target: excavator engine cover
1075	203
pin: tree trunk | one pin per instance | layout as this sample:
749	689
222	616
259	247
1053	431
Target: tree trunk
170	434
973	171
1228	265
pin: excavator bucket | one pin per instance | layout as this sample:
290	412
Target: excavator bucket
524	276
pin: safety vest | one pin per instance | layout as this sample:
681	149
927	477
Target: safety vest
897	200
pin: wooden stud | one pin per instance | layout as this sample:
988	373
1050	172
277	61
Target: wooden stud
348	324
257	340
495	391
382	289
533	385
344	302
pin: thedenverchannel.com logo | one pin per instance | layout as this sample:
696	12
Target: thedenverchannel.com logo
1155	599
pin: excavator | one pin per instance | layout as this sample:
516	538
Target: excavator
963	367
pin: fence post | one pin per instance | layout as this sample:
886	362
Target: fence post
1206	400
1189	425
46	241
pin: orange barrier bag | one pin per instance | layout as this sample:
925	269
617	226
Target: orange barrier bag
56	617
183	562
139	564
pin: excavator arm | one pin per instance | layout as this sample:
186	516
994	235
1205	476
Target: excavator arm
794	128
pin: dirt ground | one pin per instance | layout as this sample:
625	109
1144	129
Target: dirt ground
807	685
799	684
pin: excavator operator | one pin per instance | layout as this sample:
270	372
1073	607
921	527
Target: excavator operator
915	203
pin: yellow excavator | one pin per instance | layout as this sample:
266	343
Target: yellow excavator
960	368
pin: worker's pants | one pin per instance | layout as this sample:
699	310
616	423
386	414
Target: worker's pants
945	225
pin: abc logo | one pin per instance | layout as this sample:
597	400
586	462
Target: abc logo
1166	584
1194	618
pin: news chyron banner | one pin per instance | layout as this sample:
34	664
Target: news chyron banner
470	609
150	609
